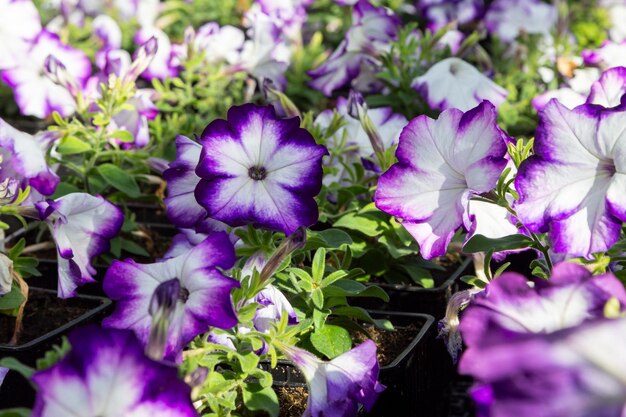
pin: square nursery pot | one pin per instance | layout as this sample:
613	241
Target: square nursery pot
408	377
416	299
16	391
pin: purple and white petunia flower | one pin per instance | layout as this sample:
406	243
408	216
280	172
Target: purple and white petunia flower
274	305
388	124
107	374
23	160
259	169
35	92
572	187
218	44
512	307
609	55
577	372
338	386
108	32
564	95
441	164
82	226
609	90
162	65
454	83
203	299
371	32
289	15
441	12
19	24
509	18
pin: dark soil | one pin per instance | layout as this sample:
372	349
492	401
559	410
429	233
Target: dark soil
292	401
44	312
390	344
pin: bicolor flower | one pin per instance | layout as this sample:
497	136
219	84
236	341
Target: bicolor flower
161	66
82	226
578	372
441	12
509	18
572	187
19	24
35	92
441	164
106	374
217	44
512	307
108	32
273	305
371	32
387	123
259	169
337	387
609	90
203	299
289	15
564	95
609	55
23	159
453	83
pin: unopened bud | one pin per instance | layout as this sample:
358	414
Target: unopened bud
143	58
357	109
294	241
282	104
58	73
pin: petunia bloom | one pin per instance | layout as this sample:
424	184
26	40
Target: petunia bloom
509	18
610	89
454	83
337	387
577	372
23	160
371	32
202	301
35	93
259	169
609	55
82	226
441	12
572	187
106	374
19	24
512	307
441	164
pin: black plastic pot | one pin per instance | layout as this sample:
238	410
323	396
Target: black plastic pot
407	378
16	391
416	299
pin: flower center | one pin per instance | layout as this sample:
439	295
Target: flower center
607	167
257	173
183	294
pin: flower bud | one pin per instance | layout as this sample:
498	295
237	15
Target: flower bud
162	308
357	109
282	104
57	71
143	57
294	241
6	274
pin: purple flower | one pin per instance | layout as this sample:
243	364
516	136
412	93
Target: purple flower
453	83
35	93
106	374
274	305
578	372
572	187
609	55
161	66
19	24
259	169
441	164
82	226
23	159
512	307
441	12
218	44
203	299
372	30
609	90
108	31
135	118
565	95
337	387
508	18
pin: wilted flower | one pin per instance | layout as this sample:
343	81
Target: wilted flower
441	164
453	83
23	160
82	226
572	187
337	387
203	298
578	372
106	374
259	169
441	12
35	92
371	32
6	274
19	24
609	90
509	18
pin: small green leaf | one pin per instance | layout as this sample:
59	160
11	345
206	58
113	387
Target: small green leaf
331	340
319	265
480	243
248	361
131	247
15	412
119	179
17	366
71	145
123	135
318	297
259	398
12	300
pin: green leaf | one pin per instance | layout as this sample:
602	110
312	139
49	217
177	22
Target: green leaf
71	145
17	366
248	361
15	412
123	135
347	288
12	300
318	297
366	223
319	265
362	314
63	189
131	247
331	340
480	243
119	179
329	238
258	398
